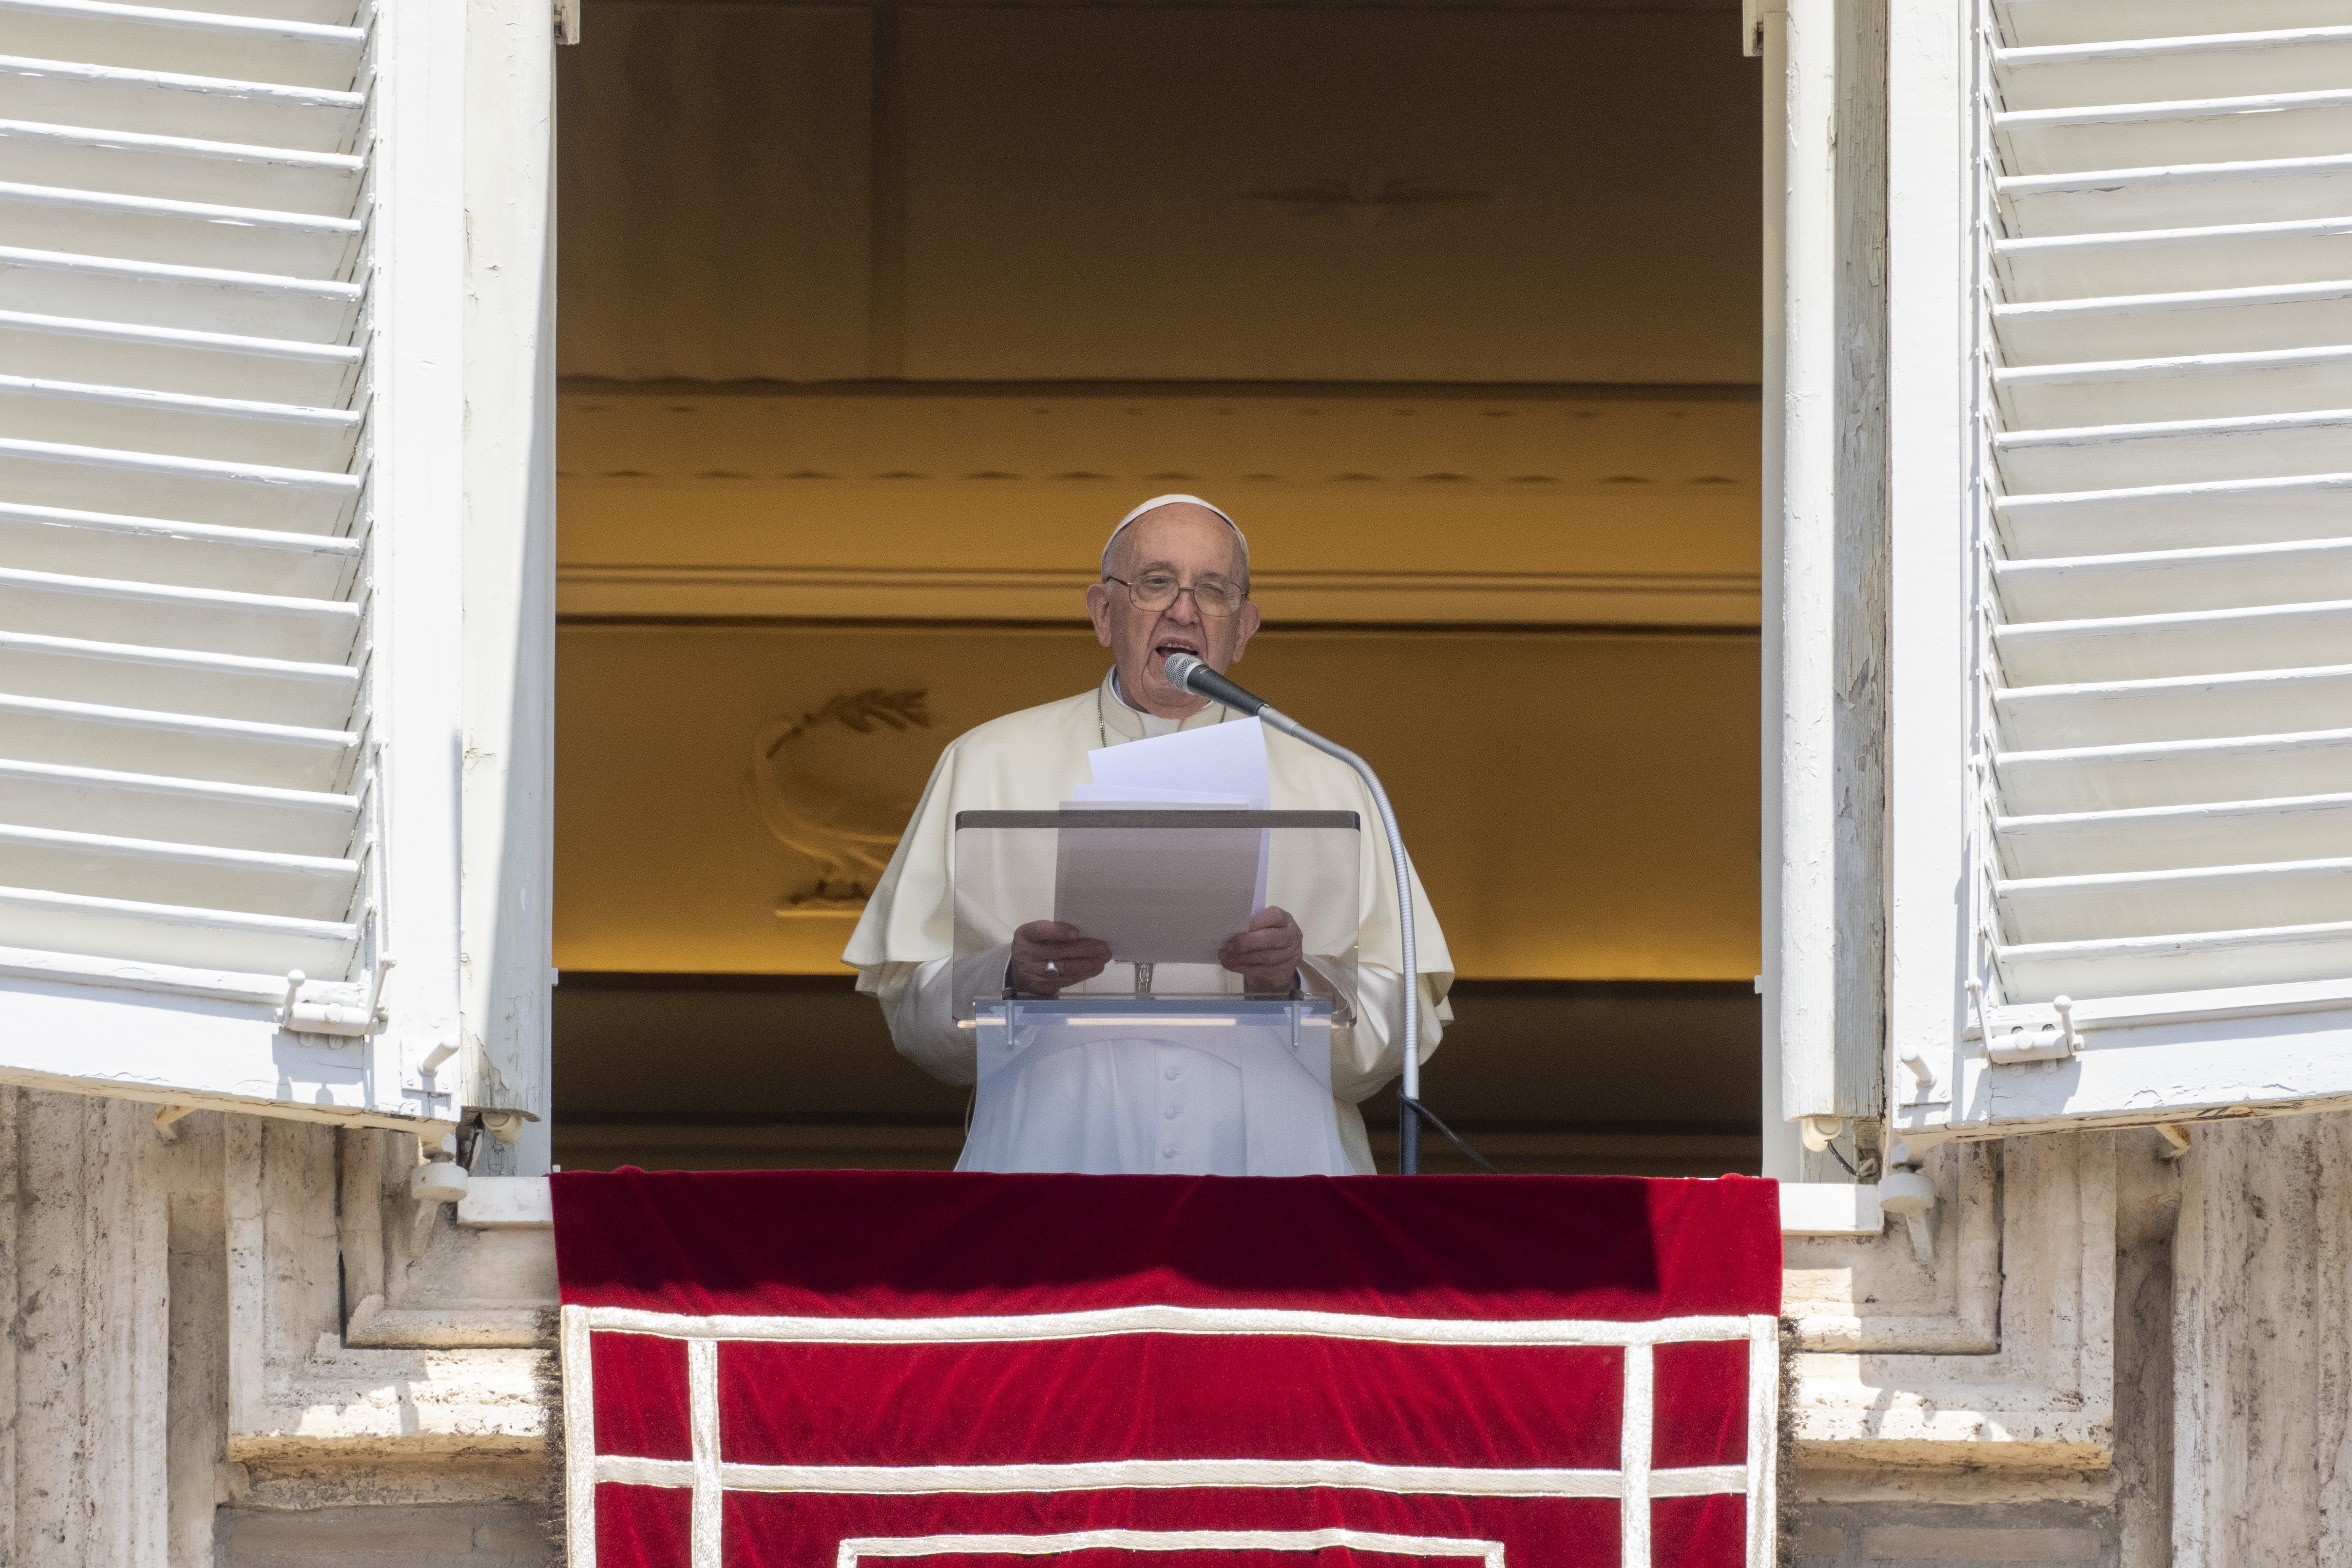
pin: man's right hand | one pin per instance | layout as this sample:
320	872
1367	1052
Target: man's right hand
1072	957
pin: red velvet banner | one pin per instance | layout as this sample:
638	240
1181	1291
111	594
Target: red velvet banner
826	1369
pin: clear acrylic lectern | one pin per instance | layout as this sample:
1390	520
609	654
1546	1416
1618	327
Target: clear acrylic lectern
1163	1062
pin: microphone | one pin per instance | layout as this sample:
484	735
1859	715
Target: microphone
1189	672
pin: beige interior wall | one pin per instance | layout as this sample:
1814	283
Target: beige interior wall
1582	804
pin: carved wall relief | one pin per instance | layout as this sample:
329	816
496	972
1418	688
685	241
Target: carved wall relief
836	786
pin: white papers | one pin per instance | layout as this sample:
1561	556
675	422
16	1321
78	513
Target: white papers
1168	897
1157	896
1215	759
1112	797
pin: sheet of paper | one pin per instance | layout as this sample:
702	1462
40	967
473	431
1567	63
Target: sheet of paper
1216	759
1158	896
1113	797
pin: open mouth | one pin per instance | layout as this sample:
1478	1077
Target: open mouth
1161	651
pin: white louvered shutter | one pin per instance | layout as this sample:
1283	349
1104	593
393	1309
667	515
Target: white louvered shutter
2154	898
231	255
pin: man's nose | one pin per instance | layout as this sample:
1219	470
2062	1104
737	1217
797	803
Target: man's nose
1185	609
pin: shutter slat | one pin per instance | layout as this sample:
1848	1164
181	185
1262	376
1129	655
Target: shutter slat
2211	961
2175	773
2203	130
2176	517
2176	260
2162	838
2177	707
2195	386
218	686
171	103
333	13
206	43
230	430
231	751
2148	70
2195	642
147	870
184	565
199	490
168	359
2152	324
206	811
149	229
2154	581
211	620
2177	899
189	935
2173	452
67	542
197	298
2026	23
2117	201
183	168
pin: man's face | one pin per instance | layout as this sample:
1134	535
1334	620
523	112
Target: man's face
1187	542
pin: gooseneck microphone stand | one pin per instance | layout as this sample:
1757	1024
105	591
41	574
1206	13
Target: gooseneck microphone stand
1189	673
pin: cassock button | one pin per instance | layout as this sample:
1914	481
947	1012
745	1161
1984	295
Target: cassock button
1172	1113
1175	1073
1169	1152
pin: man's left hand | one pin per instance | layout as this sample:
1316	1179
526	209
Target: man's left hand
1267	956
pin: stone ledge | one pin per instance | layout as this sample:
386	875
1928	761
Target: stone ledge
346	1404
464	1325
1867	1292
507	1203
1899	1362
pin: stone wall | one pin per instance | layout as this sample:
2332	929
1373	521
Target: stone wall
387	1536
159	1291
2262	1345
235	1347
1955	1535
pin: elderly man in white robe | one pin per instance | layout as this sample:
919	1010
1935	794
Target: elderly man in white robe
1175	579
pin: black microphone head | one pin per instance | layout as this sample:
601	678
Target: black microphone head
1189	672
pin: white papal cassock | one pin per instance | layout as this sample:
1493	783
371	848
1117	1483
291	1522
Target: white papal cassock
1140	1105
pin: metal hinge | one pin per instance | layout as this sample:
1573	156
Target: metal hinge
300	1017
567	21
2022	1036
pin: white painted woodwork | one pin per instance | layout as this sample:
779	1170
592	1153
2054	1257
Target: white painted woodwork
2147	470
1783	1143
236	502
507	614
1803	979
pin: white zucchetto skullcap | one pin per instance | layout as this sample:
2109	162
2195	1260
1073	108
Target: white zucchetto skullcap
1154	504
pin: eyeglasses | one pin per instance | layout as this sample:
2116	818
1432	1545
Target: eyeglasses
1155	591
